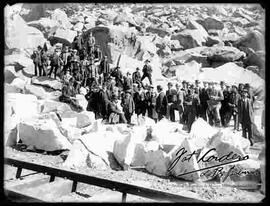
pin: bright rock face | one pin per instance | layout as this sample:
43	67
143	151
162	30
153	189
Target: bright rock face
180	165
42	134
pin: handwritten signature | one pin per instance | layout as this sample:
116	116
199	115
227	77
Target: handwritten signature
182	156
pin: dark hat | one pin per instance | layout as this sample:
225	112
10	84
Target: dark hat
114	97
170	84
159	87
184	82
221	82
128	73
137	68
247	85
191	86
39	47
147	60
197	81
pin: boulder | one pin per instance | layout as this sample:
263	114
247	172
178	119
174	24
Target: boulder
160	32
182	162
22	105
10	74
201	132
157	162
61	17
78	26
29	37
47	82
82	101
212	40
64	35
84	118
19	61
11	131
18	83
49	105
211	23
8	88
42	134
190	38
44	24
254	40
38	91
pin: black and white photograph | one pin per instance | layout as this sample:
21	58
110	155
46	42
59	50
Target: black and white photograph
134	102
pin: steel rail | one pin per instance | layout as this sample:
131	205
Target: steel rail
124	188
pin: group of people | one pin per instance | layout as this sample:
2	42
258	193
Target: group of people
116	97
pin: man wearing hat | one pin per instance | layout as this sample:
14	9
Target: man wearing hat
234	98
180	102
69	95
161	103
147	71
117	74
127	82
91	43
184	89
171	95
105	68
139	100
203	96
150	98
250	92
74	61
55	62
246	116
224	110
136	76
78	42
191	101
36	57
128	105
65	57
114	112
97	54
214	104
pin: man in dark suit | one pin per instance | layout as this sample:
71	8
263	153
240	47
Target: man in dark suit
105	69
161	103
136	76
246	117
147	71
150	98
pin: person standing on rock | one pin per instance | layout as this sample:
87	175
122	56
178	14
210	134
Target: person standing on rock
78	42
44	62
74	62
97	54
127	82
203	96
180	102
90	44
55	63
171	95
115	113
224	104
191	101
36	56
214	105
65	57
69	95
136	76
139	99
105	69
184	89
128	105
147	71
151	98
161	103
234	98
117	74
246	115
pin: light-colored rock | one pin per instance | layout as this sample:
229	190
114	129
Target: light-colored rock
84	118
82	101
78	26
22	105
18	83
182	162
43	24
19	60
49	105
190	38
11	130
201	132
65	34
47	82
61	17
157	162
29	37
42	134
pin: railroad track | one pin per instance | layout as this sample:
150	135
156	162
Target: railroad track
45	183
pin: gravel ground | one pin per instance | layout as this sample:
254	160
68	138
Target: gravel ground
213	191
